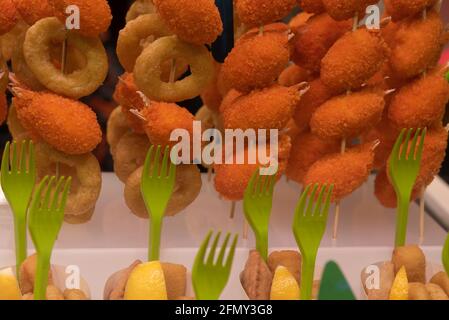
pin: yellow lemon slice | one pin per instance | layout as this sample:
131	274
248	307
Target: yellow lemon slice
146	282
399	290
9	288
284	286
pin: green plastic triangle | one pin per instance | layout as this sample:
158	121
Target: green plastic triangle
334	285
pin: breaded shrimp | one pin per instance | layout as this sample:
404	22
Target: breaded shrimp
299	20
8	16
346	9
346	171
400	9
292	75
256	13
306	150
312	6
32	11
353	59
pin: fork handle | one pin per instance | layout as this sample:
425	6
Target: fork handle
41	280
154	247
307	272
262	244
20	234
402	220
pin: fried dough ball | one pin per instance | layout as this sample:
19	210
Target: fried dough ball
418	45
400	9
117	127
348	116
306	150
255	13
354	168
138	8
255	63
436	292
95	15
27	274
414	261
8	16
353	59
420	103
312	6
314	39
86	180
196	22
292	75
346	9
441	279
32	11
270	108
68	125
299	20
417	291
187	188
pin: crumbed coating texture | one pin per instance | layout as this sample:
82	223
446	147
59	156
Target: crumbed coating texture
299	20
196	22
346	9
8	16
229	99
32	11
414	261
353	59
420	103
400	9
3	107
211	95
254	13
292	75
95	15
312	6
306	150
68	125
347	116
354	168
314	39
117	127
270	108
418	45
255	63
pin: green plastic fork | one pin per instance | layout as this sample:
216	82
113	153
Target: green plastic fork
157	187
257	204
309	225
18	178
45	220
209	277
446	255
404	164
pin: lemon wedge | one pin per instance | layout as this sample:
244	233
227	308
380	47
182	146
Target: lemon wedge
146	282
9	288
399	289
284	286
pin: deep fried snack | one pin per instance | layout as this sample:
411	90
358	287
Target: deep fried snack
130	153
229	99
147	71
417	291
187	188
117	127
95	15
386	281
292	75
256	278
255	63
138	8
86	179
418	45
68	125
441	278
8	16
18	132
27	274
348	116
353	59
256	13
270	108
3	107
211	96
278	30
400	9
312	6
306	150
206	116
414	261
32	11
290	259
299	20
314	39
9	40
436	292
197	22
420	103
346	9
77	84
114	288
74	294
354	168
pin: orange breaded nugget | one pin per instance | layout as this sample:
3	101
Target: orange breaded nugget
419	103
32	11
400	9
95	15
229	99
299	20
269	108
353	59
347	116
306	150
279	29
211	96
292	75
196	22
315	38
255	13
8	16
68	125
255	63
418	45
346	9
346	171
312	6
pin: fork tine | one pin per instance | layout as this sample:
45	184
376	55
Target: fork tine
48	193
317	211
37	197
303	200
213	248
5	159
231	254
57	194
202	251
14	164
328	200
311	200
65	194
421	145
223	250
146	167
156	162
405	145
412	154
23	156
164	172
397	146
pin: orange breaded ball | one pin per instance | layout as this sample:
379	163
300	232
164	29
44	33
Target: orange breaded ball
346	9
255	13
314	39
68	125
307	148
346	171
255	63
292	75
312	6
420	103
299	20
229	99
8	16
196	22
95	15
270	108
400	9
32	11
348	116
353	59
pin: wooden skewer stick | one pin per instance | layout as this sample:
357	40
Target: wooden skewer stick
337	207
245	230
172	71
64	56
138	114
232	213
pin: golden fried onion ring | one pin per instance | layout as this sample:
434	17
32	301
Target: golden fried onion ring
86	179
77	84
18	132
138	8
117	127
187	188
148	71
